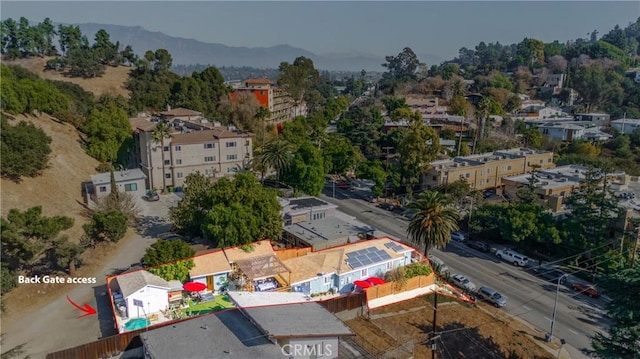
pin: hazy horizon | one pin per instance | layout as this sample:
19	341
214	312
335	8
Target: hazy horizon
341	27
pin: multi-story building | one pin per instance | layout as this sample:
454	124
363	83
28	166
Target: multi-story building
278	101
485	170
194	146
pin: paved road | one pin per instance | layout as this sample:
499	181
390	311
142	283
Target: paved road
55	326
529	298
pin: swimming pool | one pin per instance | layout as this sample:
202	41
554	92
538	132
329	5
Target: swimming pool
137	323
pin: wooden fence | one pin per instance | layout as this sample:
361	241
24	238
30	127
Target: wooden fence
102	348
346	302
284	254
390	288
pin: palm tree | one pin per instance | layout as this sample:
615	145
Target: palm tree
278	155
434	221
159	134
261	115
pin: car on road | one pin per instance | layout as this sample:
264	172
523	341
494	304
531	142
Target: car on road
386	206
491	296
343	185
463	282
586	289
439	266
512	257
458	236
478	245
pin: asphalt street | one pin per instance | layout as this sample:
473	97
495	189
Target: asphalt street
530	298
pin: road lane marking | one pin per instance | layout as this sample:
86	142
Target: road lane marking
526	308
549	319
573	331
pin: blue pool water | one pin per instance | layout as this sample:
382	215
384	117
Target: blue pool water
137	323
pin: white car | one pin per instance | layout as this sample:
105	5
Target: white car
438	265
458	236
513	257
463	282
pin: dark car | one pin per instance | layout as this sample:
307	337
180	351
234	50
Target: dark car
481	246
152	197
386	206
586	289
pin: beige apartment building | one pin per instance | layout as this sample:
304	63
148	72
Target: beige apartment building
486	170
212	150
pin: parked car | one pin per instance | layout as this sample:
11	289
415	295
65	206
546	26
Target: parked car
439	266
152	197
586	289
386	206
491	296
409	214
463	282
478	245
513	257
458	236
343	185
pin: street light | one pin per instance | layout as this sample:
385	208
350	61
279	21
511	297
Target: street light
555	307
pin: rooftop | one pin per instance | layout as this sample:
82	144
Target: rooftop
207	136
262	267
120	176
131	282
226	334
542	181
180	112
627	120
328	228
311	265
301	203
255	299
258	249
142	124
209	263
300	320
565	126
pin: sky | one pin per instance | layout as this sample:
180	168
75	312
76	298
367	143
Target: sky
355	27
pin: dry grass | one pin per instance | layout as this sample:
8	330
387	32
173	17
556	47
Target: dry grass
112	82
480	336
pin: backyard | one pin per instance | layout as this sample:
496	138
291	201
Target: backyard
402	330
220	302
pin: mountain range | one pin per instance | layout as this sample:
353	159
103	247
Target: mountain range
192	52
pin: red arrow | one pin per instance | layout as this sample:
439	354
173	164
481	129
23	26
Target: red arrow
87	308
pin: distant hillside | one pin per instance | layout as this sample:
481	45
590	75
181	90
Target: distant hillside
191	52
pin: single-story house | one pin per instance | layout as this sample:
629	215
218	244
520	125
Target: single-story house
130	181
335	270
301	209
626	125
562	131
326	233
143	292
211	269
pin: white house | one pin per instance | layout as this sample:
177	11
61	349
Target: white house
626	125
130	181
144	293
562	131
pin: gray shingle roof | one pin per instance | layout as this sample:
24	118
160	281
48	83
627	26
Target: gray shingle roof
300	320
226	334
120	176
131	282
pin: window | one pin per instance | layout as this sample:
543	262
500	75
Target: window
509	168
327	279
179	175
178	148
131	187
167	162
528	163
165	148
103	188
178	161
232	157
232	170
167	175
262	92
231	144
434	178
488	170
210	159
209	172
388	265
468	175
541	161
208	146
363	273
549	160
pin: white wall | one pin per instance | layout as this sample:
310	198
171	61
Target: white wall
155	299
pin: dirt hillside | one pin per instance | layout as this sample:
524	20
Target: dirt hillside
58	190
112	82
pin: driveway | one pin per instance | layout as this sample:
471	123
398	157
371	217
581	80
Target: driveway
56	325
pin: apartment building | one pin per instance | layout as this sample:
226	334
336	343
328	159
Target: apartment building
486	170
213	150
277	100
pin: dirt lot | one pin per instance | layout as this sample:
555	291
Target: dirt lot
401	331
111	82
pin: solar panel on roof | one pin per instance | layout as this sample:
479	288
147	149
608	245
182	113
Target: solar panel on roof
389	244
385	256
366	261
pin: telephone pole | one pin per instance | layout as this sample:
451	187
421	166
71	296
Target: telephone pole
386	170
433	332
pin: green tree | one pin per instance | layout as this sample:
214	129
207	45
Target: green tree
107	226
623	338
278	154
191	211
25	150
307	170
434	221
340	156
460	106
403	67
418	148
161	133
532	138
67	254
170	260
107	128
375	171
243	212
298	79
391	103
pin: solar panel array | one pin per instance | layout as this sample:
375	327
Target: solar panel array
395	246
365	257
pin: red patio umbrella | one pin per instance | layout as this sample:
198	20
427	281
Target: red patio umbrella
362	283
194	286
376	280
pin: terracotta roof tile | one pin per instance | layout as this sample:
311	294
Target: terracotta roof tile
179	112
259	81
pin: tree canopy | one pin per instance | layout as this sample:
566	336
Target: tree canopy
168	259
25	149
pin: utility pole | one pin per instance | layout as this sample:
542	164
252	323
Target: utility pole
386	170
433	332
460	136
555	307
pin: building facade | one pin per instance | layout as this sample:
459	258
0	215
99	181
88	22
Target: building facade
486	170
282	107
212	150
626	125
131	181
